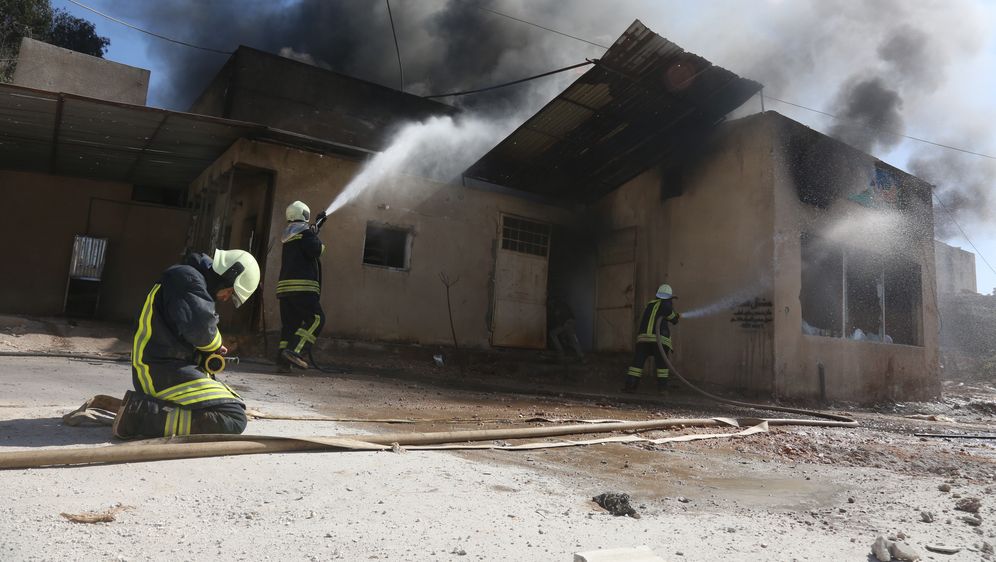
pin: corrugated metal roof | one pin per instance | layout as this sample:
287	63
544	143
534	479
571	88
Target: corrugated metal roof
74	135
625	114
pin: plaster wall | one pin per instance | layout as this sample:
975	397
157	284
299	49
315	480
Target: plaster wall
955	269
454	231
47	67
712	243
859	371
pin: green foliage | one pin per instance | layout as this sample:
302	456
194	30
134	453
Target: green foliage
36	19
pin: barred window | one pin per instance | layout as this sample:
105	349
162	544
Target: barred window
525	236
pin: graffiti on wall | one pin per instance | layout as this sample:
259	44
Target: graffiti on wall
753	314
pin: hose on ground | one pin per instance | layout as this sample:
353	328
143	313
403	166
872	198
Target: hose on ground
836	420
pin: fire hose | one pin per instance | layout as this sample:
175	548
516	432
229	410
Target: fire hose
212	445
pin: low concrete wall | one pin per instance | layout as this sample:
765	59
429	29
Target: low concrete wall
47	67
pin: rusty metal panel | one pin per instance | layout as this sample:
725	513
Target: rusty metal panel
615	291
521	266
87	261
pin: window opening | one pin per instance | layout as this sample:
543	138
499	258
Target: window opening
525	236
387	246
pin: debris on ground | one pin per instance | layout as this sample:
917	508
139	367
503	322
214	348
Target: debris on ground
944	487
973	520
970	505
927	517
105	516
931	417
880	549
941	549
616	503
903	551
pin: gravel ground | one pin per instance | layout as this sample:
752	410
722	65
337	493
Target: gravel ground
796	493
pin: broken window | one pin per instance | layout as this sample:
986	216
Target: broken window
525	236
387	246
859	294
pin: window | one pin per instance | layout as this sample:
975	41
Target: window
387	246
859	294
159	195
525	236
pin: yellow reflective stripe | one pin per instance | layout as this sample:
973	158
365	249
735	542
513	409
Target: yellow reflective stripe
663	373
215	343
672	316
282	344
183	426
169	429
293	238
142	337
653	316
296	282
323	250
183	387
634	372
308	335
315	290
205	397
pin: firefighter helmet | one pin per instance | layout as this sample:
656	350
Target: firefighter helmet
664	291
298	211
239	270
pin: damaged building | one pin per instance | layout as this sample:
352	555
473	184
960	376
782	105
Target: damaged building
804	267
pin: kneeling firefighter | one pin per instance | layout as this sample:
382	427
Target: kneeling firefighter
300	287
646	342
175	394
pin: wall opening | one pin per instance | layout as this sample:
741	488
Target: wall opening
859	294
387	246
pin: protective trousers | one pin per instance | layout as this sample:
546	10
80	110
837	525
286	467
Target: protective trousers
301	320
150	417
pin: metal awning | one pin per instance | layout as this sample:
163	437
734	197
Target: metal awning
642	99
72	135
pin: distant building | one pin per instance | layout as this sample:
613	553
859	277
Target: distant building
955	269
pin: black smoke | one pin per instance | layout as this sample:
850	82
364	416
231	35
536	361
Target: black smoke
963	184
870	114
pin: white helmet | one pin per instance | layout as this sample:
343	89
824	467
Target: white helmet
664	291
239	269
298	211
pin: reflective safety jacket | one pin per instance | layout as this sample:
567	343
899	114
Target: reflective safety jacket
657	308
177	322
300	269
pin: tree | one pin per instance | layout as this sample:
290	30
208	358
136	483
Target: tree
36	19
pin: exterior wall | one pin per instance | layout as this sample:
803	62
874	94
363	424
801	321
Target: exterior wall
859	371
50	210
47	67
290	95
955	269
713	245
454	232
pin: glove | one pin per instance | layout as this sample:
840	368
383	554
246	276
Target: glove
320	220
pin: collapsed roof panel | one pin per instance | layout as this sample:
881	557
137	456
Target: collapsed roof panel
625	114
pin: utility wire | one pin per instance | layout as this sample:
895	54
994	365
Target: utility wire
497	13
397	49
952	215
163	37
521	80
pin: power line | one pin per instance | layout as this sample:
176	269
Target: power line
397	49
521	80
540	26
962	230
163	37
949	147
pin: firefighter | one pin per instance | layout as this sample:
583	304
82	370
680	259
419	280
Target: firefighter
175	394
300	287
646	342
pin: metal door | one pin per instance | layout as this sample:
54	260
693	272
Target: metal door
614	292
521	262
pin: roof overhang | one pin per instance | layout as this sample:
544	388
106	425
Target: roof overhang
633	109
72	135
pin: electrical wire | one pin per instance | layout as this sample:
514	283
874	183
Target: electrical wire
974	247
576	38
397	49
163	37
521	80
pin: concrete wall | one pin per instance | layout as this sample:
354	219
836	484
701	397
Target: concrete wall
294	96
48	211
955	269
713	245
854	370
454	231
47	67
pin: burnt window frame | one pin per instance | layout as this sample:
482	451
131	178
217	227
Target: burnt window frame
408	242
524	235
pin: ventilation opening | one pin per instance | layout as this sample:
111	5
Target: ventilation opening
525	236
387	246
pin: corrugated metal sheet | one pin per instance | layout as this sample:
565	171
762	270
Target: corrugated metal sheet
643	98
88	258
74	135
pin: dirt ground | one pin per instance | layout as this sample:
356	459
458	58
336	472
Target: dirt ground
794	493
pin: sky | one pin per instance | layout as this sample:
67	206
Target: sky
923	68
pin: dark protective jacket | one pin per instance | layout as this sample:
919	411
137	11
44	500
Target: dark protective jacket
300	268
657	308
177	322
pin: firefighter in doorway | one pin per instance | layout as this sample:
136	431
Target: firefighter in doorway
175	394
300	287
646	342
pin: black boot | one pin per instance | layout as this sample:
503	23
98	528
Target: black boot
631	384
294	359
661	385
140	415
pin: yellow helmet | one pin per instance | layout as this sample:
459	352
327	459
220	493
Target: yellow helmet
664	291
239	268
298	211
